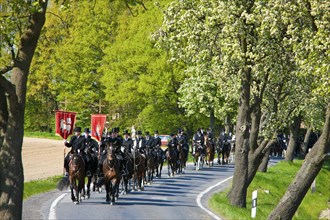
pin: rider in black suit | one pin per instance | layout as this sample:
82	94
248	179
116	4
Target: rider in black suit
77	144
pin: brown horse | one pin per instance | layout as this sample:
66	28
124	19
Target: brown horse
198	156
139	170
112	175
77	177
210	151
182	158
172	161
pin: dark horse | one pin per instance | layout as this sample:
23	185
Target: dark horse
128	159
112	175
77	177
182	158
159	161
172	161
210	151
150	165
139	170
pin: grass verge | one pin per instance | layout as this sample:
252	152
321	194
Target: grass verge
40	186
39	134
276	180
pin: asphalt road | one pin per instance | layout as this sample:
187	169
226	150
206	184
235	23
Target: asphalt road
166	198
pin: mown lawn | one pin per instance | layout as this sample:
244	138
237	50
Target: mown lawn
276	181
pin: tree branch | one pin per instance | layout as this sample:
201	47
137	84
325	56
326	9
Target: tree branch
6	69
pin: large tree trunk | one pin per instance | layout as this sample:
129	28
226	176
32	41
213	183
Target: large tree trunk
312	165
237	194
12	95
294	134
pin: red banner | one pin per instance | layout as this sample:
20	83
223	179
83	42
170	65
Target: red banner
98	122
64	123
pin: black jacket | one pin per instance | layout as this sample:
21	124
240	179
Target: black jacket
77	143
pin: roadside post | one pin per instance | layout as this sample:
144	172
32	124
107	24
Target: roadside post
254	204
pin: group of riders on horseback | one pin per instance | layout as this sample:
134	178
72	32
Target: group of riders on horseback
94	154
117	157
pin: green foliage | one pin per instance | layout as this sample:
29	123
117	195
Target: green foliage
274	182
140	85
40	186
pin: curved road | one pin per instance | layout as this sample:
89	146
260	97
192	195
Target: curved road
184	196
166	198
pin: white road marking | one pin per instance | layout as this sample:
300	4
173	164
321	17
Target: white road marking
52	213
200	195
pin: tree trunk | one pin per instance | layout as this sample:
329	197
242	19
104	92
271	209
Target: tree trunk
237	194
212	119
227	124
12	94
312	165
294	134
306	140
264	163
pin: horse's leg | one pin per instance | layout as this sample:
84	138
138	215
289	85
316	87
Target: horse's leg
89	180
73	198
107	190
76	191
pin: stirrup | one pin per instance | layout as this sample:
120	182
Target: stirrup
88	173
66	174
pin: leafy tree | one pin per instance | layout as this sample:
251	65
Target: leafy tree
246	40
21	24
140	85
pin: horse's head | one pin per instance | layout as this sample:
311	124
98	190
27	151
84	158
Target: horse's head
110	151
76	159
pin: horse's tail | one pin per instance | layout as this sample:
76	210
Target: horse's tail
63	184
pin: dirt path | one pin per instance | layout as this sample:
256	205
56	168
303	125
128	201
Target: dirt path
42	158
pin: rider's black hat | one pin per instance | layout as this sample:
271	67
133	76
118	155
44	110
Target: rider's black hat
87	130
126	132
172	134
77	129
139	132
147	133
156	131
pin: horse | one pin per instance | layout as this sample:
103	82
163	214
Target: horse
150	165
129	171
93	168
226	148
77	177
182	158
219	150
112	175
172	160
139	170
159	161
210	151
199	156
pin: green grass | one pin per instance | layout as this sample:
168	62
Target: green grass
276	181
40	186
39	134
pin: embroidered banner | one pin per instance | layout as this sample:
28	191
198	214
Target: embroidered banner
64	123
98	122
